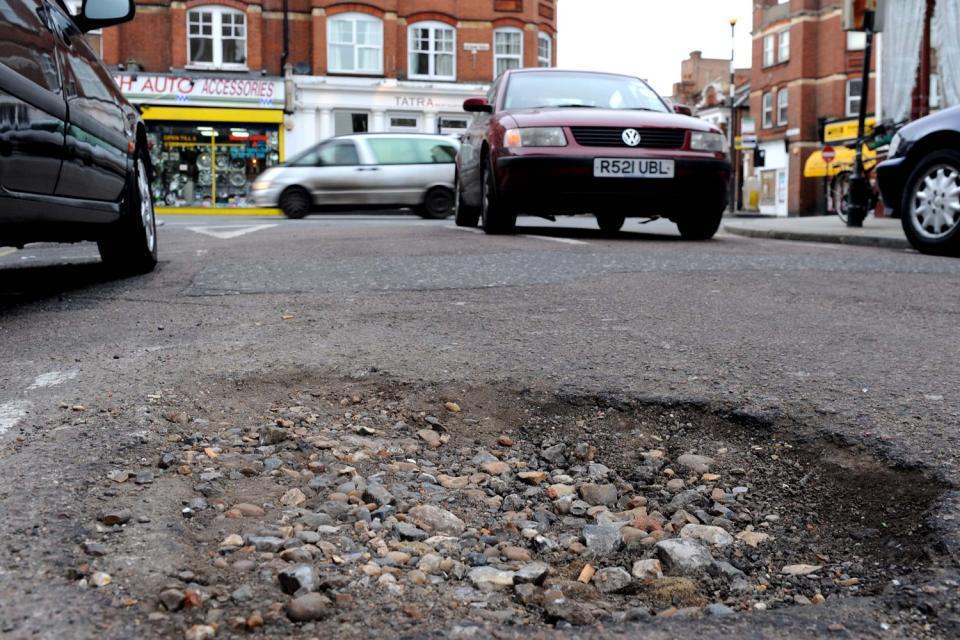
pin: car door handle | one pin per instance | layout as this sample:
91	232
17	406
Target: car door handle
368	168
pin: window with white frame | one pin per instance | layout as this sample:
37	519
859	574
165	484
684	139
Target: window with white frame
507	50
544	50
768	52
217	38
355	44
784	50
856	40
767	110
433	47
783	106
854	86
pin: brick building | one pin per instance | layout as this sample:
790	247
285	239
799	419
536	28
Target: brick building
209	75
805	69
697	74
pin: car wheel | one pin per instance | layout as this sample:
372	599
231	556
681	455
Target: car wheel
130	246
295	203
437	204
466	216
610	223
704	225
493	215
931	205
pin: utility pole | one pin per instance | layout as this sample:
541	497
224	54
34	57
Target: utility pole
859	185
733	117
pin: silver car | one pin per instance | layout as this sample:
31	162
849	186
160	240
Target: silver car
365	171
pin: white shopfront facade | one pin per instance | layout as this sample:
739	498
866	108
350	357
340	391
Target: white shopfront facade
329	106
774	178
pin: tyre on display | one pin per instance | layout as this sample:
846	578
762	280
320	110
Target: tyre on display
610	223
704	225
465	215
493	215
437	204
295	203
130	245
930	213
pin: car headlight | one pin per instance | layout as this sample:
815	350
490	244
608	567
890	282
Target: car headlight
894	146
535	137
261	185
708	141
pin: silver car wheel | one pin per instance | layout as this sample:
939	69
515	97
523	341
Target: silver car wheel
935	202
146	207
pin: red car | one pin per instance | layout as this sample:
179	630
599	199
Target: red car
548	142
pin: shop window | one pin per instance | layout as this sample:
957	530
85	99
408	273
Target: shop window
404	123
210	165
217	38
767	110
768	52
433	47
507	50
854	86
544	50
783	106
453	125
355	44
783	53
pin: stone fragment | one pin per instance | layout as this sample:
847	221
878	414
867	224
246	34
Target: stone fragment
674	591
647	569
533	478
378	494
753	538
685	499
171	599
270	544
717	609
408	531
707	534
694	463
800	569
490	578
311	606
247	510
533	573
495	468
200	632
430	437
505	441
299	580
517	554
143	477
453	482
612	580
118	476
599	494
436	520
558	607
293	498
233	540
560	490
683	557
100	579
602	539
120	516
452	407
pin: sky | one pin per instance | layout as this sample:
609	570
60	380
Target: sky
649	38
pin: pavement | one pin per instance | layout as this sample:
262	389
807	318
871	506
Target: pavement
847	353
876	232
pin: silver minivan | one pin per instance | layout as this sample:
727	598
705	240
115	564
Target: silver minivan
365	171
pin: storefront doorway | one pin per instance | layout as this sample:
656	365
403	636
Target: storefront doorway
345	122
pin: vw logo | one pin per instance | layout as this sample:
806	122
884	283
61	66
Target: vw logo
631	137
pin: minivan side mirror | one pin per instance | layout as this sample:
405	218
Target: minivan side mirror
682	109
96	14
477	105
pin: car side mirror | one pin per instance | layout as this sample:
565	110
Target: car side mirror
96	14
682	109
477	105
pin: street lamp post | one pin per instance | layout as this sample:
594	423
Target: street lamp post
733	119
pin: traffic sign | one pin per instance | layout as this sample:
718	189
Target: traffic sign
829	154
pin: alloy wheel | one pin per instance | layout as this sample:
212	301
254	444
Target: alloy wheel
935	202
146	207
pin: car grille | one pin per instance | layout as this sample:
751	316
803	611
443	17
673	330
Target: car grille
613	137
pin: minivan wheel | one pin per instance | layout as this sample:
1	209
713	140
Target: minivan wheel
931	205
704	224
466	216
437	204
295	203
611	222
493	215
130	246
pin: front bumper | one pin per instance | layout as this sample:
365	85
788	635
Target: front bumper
892	180
547	185
269	197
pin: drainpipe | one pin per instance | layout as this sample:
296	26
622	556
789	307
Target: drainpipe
286	37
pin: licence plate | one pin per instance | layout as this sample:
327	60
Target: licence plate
632	168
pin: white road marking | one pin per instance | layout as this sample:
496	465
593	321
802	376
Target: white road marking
232	230
560	240
52	379
11	413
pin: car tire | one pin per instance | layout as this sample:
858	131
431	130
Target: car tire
494	217
704	226
437	204
130	246
610	223
465	215
295	203
930	213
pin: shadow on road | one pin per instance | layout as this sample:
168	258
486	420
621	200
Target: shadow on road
22	284
580	233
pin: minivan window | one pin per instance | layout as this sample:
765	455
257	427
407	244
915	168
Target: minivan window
412	151
338	154
26	44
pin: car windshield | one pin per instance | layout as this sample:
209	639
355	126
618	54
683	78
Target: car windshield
530	90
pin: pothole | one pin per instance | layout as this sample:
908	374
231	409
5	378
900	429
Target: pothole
299	504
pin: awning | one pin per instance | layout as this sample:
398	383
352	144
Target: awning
816	167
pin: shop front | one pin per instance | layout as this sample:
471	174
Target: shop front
329	106
209	138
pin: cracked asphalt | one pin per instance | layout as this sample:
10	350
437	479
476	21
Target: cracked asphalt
855	345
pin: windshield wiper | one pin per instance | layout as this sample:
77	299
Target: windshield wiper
566	106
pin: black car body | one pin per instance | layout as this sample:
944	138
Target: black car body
921	181
73	157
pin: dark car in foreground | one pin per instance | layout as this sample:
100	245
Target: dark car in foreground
74	163
921	181
549	142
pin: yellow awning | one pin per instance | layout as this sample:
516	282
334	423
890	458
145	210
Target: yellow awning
817	168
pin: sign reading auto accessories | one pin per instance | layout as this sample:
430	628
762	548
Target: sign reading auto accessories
198	91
